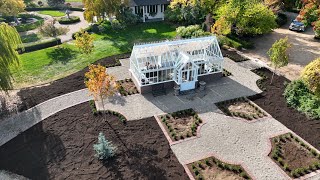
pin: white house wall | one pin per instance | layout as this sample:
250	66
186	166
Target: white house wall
159	15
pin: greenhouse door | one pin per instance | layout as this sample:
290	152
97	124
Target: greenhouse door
189	78
188	86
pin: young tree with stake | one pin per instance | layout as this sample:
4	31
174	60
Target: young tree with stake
100	84
278	54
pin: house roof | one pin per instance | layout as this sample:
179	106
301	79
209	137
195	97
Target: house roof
147	2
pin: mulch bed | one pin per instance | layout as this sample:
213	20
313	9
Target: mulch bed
233	55
273	102
294	156
242	108
181	124
35	95
61	147
212	168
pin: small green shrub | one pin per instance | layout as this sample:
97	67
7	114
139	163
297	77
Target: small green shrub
66	20
39	45
298	96
191	31
104	149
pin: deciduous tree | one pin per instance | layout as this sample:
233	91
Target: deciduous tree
100	84
311	76
99	8
12	8
84	41
50	30
278	54
248	17
9	41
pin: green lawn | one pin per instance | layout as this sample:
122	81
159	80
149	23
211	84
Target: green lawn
53	63
53	13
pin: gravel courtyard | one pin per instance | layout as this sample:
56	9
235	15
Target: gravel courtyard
304	47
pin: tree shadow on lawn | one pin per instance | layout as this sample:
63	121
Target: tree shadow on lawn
30	153
61	54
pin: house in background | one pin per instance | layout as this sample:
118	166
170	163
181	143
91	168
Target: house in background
149	10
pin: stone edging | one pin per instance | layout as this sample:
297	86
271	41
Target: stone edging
314	173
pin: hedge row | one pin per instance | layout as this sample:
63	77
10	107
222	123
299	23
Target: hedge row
51	8
28	27
65	20
39	45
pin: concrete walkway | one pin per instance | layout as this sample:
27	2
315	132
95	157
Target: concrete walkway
16	124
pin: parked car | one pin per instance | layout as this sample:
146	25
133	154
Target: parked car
297	26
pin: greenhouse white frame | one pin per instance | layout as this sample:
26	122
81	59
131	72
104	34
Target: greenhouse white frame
181	61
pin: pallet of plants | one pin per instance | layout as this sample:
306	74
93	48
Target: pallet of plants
241	107
127	87
212	168
181	124
294	156
226	73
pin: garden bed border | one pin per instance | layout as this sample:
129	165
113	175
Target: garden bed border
306	176
181	140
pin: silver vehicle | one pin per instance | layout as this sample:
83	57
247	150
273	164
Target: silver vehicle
297	26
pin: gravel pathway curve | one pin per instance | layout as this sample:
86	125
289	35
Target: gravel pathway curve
16	124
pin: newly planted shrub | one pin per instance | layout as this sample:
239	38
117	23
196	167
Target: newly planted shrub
104	149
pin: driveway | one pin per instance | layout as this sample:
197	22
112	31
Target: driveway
304	48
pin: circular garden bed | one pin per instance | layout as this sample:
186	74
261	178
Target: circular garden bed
71	20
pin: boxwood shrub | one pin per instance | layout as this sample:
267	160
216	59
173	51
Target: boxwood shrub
39	45
66	20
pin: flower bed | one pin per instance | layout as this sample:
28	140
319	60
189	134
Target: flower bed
242	108
66	20
212	168
181	124
127	87
261	82
294	156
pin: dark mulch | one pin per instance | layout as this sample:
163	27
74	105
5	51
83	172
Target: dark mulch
273	101
60	147
233	55
35	95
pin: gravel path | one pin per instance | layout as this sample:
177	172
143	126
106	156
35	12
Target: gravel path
16	124
72	27
304	48
236	142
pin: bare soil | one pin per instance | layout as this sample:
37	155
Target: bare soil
182	124
61	147
244	107
219	174
293	154
273	102
213	169
127	87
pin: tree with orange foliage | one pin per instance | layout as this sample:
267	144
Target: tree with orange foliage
100	83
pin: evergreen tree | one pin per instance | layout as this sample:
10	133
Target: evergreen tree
104	149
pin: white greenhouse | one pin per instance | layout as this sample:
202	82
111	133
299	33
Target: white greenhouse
180	63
